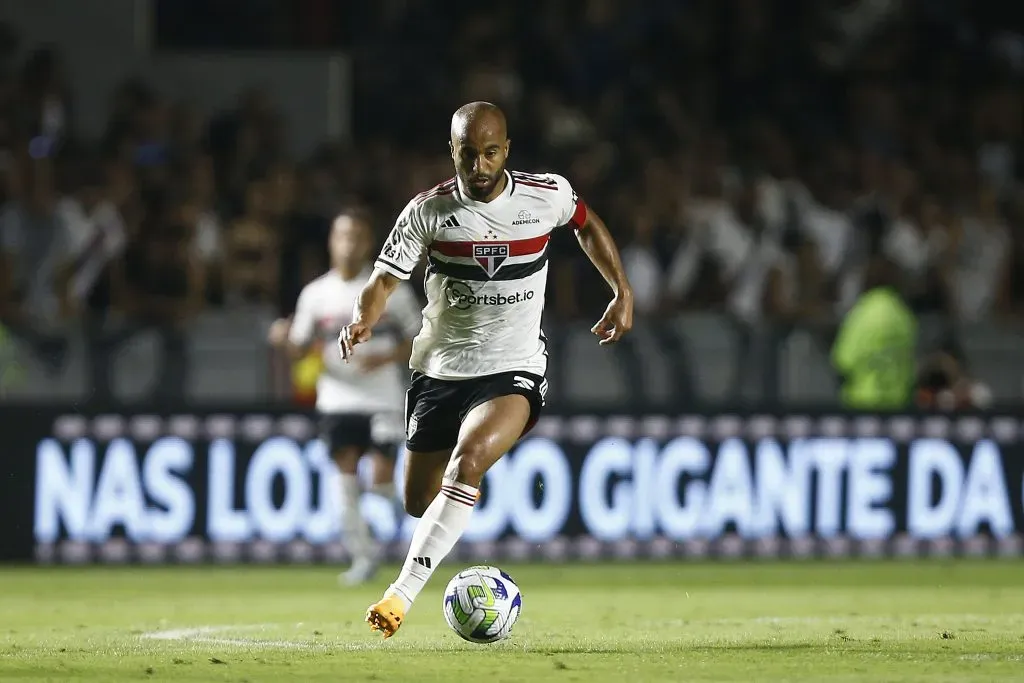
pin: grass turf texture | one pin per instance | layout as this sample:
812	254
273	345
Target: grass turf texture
869	621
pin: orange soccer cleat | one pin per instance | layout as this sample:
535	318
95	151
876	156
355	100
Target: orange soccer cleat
387	615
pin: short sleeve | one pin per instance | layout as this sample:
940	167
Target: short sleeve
304	320
405	245
572	211
406	311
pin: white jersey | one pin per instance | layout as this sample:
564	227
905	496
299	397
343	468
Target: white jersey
324	307
487	267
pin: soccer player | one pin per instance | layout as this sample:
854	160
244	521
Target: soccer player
361	403
479	361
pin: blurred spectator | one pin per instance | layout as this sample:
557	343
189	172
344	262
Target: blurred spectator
45	102
980	276
32	242
874	350
94	236
944	384
251	256
640	257
164	283
200	212
757	274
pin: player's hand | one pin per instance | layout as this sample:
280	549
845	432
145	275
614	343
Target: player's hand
355	333
616	321
277	336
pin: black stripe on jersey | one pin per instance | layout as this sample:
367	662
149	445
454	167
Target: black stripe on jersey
534	177
389	263
465	271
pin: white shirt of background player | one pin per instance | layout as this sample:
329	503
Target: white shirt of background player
323	309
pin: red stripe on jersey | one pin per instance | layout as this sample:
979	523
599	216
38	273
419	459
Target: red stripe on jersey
526	247
436	193
441	185
531	183
579	216
447	187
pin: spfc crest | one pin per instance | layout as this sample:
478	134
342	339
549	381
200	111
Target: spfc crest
490	256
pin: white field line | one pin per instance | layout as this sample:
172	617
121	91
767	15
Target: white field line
207	635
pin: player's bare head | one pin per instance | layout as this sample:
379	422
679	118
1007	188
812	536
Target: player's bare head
351	239
479	147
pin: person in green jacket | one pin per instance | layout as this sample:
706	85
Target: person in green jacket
874	351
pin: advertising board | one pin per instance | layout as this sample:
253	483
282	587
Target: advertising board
259	486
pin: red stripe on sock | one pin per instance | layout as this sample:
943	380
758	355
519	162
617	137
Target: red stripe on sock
460	501
458	495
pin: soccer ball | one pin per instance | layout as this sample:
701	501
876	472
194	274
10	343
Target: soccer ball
482	604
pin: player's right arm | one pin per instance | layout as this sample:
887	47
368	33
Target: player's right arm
401	253
370	305
295	334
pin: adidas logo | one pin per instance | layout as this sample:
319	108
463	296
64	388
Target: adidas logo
450	223
424	561
523	382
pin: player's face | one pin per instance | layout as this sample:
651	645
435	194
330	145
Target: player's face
480	160
350	242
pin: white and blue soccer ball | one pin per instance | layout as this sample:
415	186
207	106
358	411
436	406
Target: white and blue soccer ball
482	604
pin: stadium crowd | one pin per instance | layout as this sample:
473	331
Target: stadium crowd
750	156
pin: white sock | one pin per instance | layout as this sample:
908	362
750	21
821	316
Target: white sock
389	492
437	532
355	533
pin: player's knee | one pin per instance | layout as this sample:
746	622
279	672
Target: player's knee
470	463
415	503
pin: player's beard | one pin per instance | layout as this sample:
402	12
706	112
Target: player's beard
482	191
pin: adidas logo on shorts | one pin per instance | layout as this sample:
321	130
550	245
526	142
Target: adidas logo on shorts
524	382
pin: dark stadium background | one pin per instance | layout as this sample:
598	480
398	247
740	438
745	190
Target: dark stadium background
223	135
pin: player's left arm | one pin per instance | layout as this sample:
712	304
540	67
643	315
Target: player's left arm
598	244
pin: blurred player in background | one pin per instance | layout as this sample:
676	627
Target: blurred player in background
361	403
479	363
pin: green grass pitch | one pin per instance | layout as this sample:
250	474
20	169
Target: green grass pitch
811	621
